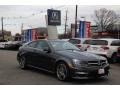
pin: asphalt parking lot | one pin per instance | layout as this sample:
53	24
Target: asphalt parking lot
11	74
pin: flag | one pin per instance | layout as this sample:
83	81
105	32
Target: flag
82	29
87	27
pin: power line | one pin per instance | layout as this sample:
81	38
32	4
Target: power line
33	14
27	17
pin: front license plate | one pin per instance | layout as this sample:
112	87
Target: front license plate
101	71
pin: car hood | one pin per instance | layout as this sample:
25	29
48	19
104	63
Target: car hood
74	54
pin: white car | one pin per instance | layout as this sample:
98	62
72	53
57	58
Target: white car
104	47
80	43
2	45
64	39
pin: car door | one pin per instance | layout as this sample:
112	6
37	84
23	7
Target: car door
44	59
31	54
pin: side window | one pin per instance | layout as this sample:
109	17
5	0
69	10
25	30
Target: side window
42	45
32	44
75	41
115	43
86	42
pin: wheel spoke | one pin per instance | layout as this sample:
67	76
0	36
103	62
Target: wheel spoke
61	72
22	62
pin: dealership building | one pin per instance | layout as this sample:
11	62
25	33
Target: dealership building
34	33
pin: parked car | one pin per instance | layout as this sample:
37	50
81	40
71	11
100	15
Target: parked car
81	43
86	44
64	39
2	44
104	47
13	45
61	58
118	55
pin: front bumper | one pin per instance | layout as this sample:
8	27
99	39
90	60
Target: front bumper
90	71
104	54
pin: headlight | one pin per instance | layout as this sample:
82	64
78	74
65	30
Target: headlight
79	63
76	61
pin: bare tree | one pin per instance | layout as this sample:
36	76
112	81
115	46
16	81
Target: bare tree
105	19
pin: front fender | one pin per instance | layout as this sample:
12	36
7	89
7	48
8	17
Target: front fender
68	62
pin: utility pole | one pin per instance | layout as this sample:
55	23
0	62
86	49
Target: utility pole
21	28
2	28
66	21
76	21
21	32
118	30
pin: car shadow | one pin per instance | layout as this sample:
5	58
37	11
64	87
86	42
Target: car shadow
73	81
89	81
41	72
9	49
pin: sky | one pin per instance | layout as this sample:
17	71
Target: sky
33	16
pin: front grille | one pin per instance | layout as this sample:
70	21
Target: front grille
97	63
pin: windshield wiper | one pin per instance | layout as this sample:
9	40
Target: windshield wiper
70	49
73	49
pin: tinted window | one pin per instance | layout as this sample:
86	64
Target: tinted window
42	44
115	43
98	42
32	44
86	42
75	41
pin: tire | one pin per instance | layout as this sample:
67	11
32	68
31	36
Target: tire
114	58
62	72
22	62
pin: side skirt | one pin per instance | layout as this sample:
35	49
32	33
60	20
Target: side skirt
41	69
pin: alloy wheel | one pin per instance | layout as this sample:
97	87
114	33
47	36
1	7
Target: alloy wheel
22	62
62	72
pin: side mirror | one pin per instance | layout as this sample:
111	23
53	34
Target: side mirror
47	50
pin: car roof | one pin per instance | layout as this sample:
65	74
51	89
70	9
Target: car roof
109	39
80	38
50	40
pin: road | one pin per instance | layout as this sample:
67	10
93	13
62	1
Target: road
11	74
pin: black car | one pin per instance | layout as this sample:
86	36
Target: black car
62	58
13	45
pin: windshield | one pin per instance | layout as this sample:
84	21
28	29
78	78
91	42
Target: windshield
63	45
